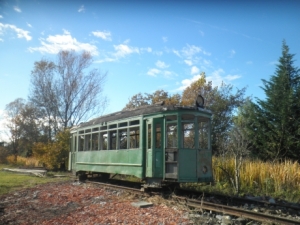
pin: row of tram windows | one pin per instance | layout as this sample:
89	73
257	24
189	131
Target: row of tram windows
125	135
194	133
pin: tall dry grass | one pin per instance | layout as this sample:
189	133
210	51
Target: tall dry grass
23	161
269	177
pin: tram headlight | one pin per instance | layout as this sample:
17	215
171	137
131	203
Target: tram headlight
199	101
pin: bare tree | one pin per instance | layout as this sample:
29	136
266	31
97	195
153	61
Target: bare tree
43	93
23	125
13	111
67	90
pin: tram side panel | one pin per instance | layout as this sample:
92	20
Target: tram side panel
87	156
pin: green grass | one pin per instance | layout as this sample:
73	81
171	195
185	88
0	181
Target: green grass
10	181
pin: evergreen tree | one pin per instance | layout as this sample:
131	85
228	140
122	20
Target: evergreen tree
275	123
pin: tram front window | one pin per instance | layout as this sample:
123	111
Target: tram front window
203	134
158	136
172	139
188	135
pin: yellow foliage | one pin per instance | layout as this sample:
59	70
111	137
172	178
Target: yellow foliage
23	161
55	154
266	176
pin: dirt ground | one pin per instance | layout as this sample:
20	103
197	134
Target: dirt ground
77	203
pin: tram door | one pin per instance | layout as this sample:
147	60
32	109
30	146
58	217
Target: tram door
187	155
72	154
154	158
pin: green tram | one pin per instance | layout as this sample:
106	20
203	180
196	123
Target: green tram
159	144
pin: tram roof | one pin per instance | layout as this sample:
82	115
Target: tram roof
143	110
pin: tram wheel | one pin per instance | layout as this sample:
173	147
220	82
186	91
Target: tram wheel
82	176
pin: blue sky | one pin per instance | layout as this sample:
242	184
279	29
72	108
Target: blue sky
148	45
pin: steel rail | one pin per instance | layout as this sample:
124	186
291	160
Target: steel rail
116	186
236	211
262	217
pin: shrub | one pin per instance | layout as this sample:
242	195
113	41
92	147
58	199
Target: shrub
23	161
3	154
53	155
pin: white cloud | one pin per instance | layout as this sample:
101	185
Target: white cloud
146	49
105	60
1	16
249	62
230	77
153	72
20	32
188	62
207	62
105	35
190	50
187	82
17	9
169	74
81	9
165	39
158	53
29	25
55	43
176	53
201	33
161	64
231	53
195	70
216	78
123	49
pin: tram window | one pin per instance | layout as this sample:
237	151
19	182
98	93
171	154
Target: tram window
103	128
188	135
87	142
123	124
171	118
112	126
158	136
134	137
81	143
134	122
113	140
103	141
123	139
95	141
149	136
172	139
203	134
188	117
95	129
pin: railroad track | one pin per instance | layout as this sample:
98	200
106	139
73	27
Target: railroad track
117	187
262	217
215	207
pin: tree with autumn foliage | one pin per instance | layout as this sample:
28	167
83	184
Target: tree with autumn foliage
140	99
219	99
222	102
54	155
